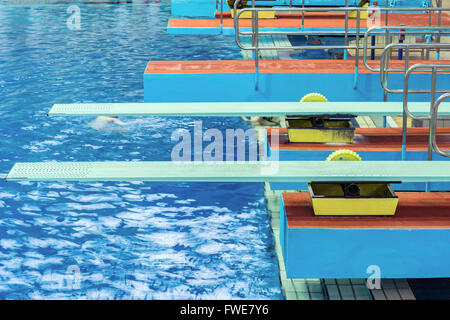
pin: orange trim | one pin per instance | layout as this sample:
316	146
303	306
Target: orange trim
266	66
319	20
416	210
370	139
215	66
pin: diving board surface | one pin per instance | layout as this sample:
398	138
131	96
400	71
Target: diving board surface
285	171
235	109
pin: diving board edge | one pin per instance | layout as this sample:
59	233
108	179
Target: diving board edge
256	171
230	109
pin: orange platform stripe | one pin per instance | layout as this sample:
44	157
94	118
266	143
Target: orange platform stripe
267	66
317	20
370	139
418	210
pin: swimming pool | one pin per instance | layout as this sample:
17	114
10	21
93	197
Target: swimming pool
115	240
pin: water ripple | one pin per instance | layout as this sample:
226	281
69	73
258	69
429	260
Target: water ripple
124	240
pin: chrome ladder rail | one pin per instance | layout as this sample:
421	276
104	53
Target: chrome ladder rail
399	30
255	32
433	125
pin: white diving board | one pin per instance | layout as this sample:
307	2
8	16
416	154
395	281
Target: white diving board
271	171
235	109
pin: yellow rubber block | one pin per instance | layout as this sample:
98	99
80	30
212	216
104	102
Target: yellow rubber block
399	122
261	15
341	135
364	14
376	199
354	207
306	123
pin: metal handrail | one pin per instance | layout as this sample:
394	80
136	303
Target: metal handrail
329	9
402	30
423	67
387	9
433	125
384	60
384	64
320	9
255	29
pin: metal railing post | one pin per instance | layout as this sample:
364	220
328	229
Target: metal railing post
346	29
236	24
303	14
401	39
221	16
432	101
386	22
253	27
373	39
438	53
384	75
430	142
428	38
358	21
430	17
385	94
256	51
372	51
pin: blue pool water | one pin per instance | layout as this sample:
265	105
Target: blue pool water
115	240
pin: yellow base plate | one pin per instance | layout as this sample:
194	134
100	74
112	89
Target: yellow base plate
363	14
306	123
261	15
328	200
321	135
334	130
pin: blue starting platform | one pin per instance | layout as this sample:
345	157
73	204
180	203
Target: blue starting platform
411	244
277	81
